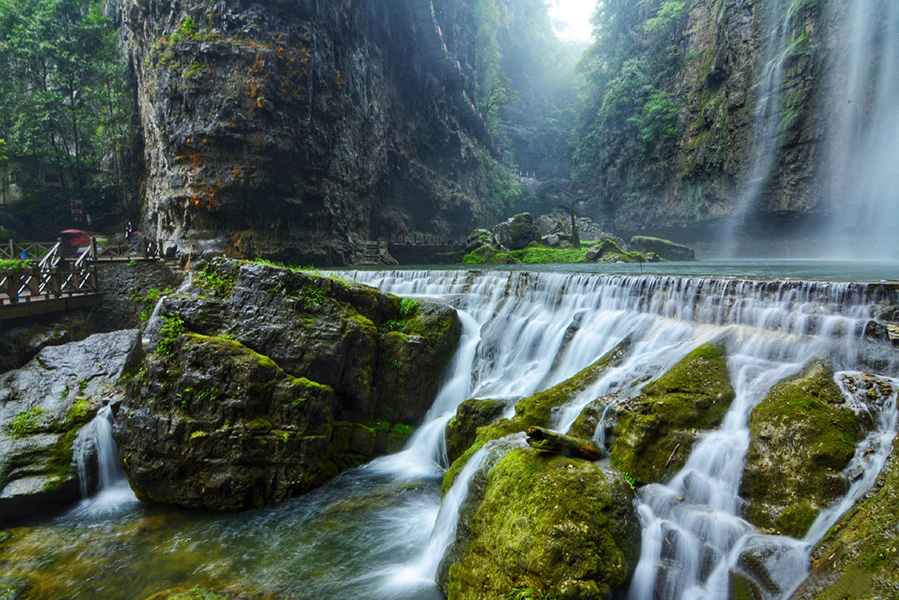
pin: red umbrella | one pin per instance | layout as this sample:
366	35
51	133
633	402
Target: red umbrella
72	231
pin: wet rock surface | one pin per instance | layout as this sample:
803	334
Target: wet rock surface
657	429
532	528
538	409
802	435
43	406
271	381
298	131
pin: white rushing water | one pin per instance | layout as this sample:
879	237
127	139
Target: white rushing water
95	453
863	130
524	332
766	118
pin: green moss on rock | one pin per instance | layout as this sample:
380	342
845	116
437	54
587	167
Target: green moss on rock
657	429
802	435
461	431
537	409
534	528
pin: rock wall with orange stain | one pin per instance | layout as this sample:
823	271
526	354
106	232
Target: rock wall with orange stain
297	129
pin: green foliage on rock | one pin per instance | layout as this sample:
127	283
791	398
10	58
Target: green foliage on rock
657	429
534	529
26	422
802	435
168	335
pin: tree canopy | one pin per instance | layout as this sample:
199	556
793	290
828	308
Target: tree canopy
63	109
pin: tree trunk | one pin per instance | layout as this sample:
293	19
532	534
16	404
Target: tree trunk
566	445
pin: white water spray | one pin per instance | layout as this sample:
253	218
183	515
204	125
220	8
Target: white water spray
537	329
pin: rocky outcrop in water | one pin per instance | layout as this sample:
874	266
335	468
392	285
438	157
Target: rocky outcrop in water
43	406
533	528
803	435
297	131
270	381
657	429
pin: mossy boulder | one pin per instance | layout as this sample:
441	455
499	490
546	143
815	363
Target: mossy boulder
557	524
801	436
657	429
274	383
665	249
859	557
461	431
516	232
539	408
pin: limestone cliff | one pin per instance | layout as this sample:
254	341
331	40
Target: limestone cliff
732	114
296	129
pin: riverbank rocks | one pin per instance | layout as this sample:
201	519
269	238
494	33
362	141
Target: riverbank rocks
539	408
265	382
859	557
663	248
802	435
657	429
43	406
561	525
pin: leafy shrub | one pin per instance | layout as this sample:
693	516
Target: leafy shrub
169	334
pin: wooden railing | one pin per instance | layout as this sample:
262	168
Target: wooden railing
36	284
31	250
139	249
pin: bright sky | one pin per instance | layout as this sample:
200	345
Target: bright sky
571	18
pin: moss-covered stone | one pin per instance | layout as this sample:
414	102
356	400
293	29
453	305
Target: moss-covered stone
859	557
538	409
535	528
657	429
802	435
461	431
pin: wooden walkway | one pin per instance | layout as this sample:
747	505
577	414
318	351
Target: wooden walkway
58	278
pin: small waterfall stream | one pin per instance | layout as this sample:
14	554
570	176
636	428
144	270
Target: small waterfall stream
94	447
765	119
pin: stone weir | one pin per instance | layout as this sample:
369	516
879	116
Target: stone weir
719	400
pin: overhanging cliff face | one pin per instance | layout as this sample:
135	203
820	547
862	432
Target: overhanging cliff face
295	129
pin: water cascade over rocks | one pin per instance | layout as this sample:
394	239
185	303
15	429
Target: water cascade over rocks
381	531
539	329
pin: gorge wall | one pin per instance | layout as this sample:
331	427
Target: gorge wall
296	130
713	117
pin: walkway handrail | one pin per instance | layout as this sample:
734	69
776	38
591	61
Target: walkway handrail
36	284
34	250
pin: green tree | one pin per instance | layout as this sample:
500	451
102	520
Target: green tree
63	109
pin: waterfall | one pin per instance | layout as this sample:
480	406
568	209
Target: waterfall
525	331
863	138
95	446
765	119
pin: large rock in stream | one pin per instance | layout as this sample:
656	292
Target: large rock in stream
802	435
43	406
657	429
562	526
266	382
